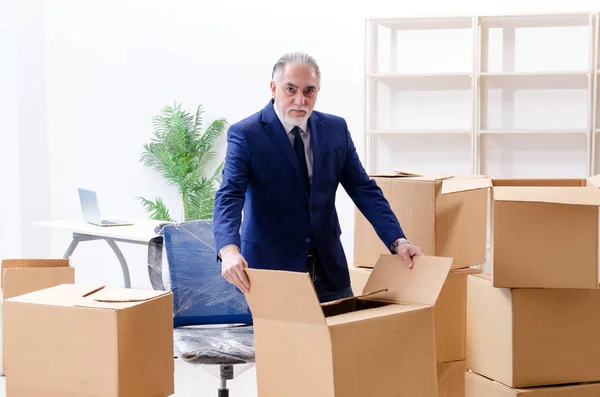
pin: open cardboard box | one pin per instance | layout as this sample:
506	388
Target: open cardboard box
381	343
450	311
544	233
446	215
74	340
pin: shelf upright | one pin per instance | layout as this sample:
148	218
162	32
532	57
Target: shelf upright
595	111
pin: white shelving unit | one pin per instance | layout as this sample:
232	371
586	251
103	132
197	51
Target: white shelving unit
460	94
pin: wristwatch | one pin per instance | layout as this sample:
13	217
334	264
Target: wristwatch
398	242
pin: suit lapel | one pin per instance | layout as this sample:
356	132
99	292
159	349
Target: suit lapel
316	142
276	132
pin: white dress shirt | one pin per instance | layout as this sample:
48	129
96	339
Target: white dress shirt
304	134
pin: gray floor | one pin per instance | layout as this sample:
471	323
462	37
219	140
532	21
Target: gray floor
192	381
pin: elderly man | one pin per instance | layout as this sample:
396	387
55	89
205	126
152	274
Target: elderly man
283	167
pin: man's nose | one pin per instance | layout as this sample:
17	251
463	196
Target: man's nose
299	99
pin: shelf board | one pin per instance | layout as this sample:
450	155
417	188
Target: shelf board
544	131
424	23
549	80
537	73
535	21
420	75
385	131
426	81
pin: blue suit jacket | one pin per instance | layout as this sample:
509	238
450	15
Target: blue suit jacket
261	175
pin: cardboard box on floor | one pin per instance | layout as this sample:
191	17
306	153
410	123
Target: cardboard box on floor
479	386
532	337
449	312
379	345
451	379
544	233
21	276
445	215
74	340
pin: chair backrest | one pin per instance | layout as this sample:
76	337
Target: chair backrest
201	295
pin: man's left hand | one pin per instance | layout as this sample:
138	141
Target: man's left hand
407	251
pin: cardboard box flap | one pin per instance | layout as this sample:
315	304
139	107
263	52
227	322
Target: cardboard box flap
406	173
413	176
123	295
551	194
455	185
331	303
283	296
116	298
63	295
594	181
420	285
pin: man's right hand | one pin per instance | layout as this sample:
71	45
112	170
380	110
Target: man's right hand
233	265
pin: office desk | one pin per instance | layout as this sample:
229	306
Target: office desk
140	232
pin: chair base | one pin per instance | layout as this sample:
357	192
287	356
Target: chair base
226	374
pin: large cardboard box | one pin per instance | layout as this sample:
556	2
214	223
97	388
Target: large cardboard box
451	379
450	311
379	344
544	233
444	215
479	386
532	337
21	276
74	340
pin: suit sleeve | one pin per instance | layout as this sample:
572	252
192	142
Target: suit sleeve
368	197
229	199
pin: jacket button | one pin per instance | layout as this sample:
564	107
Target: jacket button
307	239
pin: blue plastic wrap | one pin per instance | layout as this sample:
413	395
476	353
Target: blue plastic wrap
201	295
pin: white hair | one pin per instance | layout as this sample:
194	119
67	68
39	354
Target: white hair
297	58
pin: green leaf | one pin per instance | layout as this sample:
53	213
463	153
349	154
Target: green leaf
157	210
181	154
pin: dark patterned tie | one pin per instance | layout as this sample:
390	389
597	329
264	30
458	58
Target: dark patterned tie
299	149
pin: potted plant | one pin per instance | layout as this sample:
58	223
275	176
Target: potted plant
182	154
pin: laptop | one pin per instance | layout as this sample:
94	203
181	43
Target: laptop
91	210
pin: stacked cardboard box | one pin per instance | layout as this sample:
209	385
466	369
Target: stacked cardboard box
21	276
533	324
447	216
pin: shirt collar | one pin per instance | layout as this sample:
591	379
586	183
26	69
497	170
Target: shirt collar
287	126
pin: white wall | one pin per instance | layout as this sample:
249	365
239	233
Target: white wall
109	66
10	223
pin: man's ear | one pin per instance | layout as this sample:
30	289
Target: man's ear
273	89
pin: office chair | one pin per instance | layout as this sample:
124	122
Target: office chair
211	318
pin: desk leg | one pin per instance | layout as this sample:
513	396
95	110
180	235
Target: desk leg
119	254
71	247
